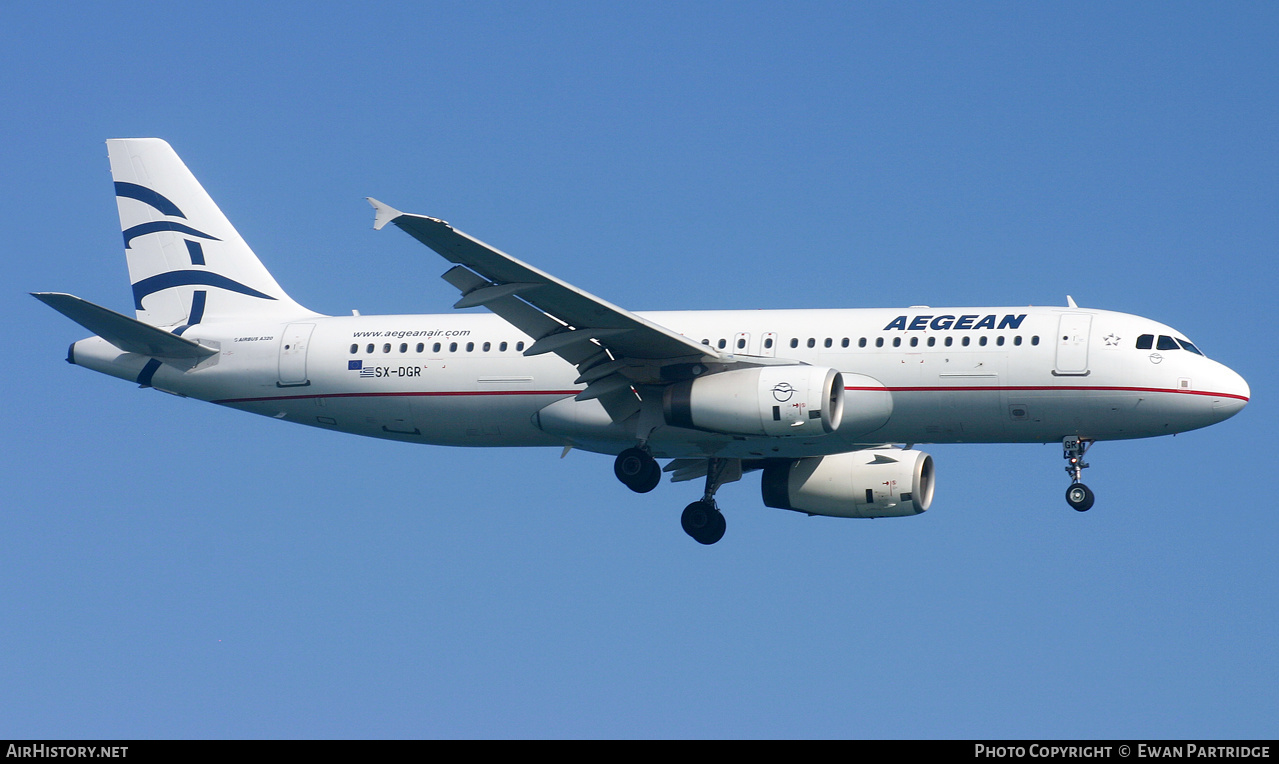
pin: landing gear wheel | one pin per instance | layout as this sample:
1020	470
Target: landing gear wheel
1080	497
637	470
704	522
649	480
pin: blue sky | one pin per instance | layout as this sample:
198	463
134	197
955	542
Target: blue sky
173	569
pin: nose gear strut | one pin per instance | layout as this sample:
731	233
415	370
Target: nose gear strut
1078	495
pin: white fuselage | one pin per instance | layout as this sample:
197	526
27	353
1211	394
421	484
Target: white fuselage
816	400
956	375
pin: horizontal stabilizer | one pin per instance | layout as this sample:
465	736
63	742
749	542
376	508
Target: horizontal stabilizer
128	334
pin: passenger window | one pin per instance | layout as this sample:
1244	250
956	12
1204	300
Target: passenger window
420	347
999	340
982	341
1034	340
768	343
1145	342
897	342
470	346
386	348
452	347
1166	343
706	343
435	348
861	343
741	343
369	349
932	341
828	342
966	341
914	342
502	347
843	343
404	347
794	342
721	344
354	349
812	343
879	342
1017	340
519	345
487	345
950	341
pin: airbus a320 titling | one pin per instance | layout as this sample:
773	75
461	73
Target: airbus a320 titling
826	404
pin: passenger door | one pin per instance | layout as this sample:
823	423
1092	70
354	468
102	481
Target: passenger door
293	347
1072	345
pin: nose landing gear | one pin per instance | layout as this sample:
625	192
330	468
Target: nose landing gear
1079	496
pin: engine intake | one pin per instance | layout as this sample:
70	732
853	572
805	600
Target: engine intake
777	401
875	482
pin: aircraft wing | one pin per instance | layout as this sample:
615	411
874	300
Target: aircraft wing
584	317
613	349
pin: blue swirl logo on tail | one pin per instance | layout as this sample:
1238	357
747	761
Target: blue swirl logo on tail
163	225
149	197
166	207
168	279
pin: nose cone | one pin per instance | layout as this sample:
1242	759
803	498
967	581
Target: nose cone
1231	394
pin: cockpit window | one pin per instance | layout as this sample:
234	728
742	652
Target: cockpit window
1185	344
1145	342
1167	343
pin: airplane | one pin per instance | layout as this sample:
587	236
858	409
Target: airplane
827	404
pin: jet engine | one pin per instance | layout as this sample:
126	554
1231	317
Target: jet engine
875	482
777	401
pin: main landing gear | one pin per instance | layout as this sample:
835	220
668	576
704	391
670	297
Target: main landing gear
702	519
640	472
1078	495
637	470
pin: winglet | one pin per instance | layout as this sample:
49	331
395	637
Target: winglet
384	213
1070	302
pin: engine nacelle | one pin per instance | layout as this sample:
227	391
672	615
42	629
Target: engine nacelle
875	482
778	401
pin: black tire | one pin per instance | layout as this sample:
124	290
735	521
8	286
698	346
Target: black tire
703	522
633	466
1080	497
649	480
717	532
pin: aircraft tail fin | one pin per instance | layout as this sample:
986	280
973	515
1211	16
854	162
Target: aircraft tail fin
187	263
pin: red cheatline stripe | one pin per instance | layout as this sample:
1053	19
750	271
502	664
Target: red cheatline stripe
1017	388
940	389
